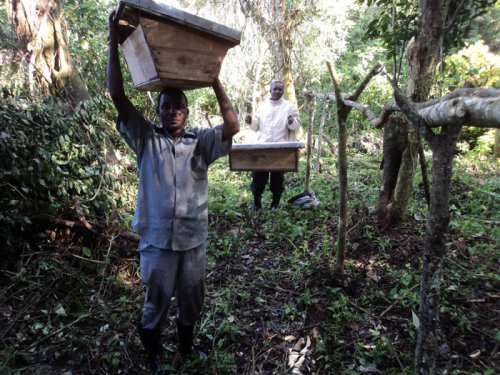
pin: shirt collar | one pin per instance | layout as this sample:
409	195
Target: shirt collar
187	133
276	102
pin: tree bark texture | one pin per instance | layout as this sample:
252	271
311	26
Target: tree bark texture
481	110
39	26
404	185
443	149
423	169
435	249
422	59
342	172
395	142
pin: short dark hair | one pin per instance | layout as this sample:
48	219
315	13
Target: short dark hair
171	90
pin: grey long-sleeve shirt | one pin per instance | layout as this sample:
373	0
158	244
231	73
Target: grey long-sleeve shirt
172	196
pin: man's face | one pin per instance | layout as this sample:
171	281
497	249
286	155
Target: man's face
277	90
173	112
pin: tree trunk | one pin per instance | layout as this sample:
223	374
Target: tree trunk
395	141
423	59
435	249
404	185
39	26
443	148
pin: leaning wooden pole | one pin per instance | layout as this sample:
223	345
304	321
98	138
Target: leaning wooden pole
342	172
320	133
311	101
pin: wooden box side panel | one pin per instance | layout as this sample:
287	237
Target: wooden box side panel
139	58
285	160
184	57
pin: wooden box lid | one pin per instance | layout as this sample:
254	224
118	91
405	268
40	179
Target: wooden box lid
265	157
168	47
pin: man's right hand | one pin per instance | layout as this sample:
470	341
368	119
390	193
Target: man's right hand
113	33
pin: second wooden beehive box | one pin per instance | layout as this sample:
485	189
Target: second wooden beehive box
265	157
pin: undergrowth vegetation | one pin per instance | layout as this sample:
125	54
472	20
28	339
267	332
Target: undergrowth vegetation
57	161
73	293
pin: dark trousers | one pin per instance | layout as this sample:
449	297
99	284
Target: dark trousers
164	271
259	182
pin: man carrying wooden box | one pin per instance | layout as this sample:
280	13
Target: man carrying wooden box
172	202
277	121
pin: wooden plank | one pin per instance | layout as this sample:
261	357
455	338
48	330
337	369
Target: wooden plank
153	85
139	59
268	145
184	18
270	160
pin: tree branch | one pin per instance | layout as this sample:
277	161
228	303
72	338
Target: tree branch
412	115
96	227
372	73
336	86
480	112
365	110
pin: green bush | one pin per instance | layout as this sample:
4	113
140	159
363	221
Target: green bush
52	155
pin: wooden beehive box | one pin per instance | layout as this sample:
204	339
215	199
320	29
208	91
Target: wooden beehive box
167	47
265	157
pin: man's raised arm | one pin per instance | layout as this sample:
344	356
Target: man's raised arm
114	73
231	124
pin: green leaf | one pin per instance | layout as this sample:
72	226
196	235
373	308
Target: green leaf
76	308
416	321
86	252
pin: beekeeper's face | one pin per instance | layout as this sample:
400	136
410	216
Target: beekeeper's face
277	90
173	111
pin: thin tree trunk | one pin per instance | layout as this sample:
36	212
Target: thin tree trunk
443	149
320	133
423	171
342	113
312	109
435	250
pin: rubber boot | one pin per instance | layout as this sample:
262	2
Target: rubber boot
275	202
150	339
186	348
257	202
